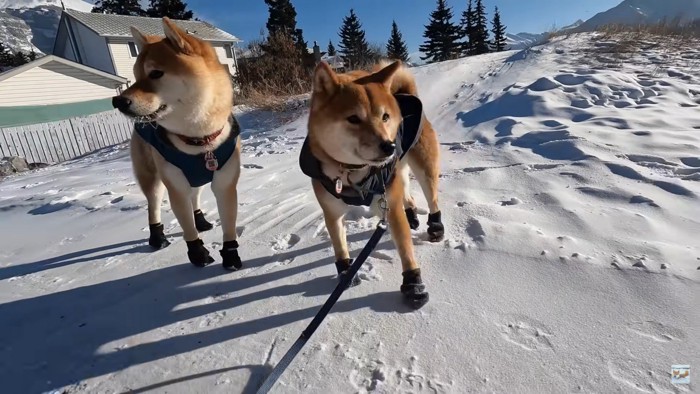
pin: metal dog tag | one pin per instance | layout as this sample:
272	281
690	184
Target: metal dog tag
338	185
210	161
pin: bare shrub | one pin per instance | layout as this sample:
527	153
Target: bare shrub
272	71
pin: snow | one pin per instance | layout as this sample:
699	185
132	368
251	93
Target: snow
78	5
570	196
636	12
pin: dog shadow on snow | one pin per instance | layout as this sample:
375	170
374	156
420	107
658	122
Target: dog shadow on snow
63	338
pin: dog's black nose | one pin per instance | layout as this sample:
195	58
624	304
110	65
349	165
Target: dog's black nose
120	102
387	147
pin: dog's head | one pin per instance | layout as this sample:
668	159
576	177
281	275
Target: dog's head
354	118
179	78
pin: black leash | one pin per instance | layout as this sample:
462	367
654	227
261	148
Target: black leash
339	289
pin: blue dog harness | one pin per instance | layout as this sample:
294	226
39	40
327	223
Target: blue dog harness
195	167
375	183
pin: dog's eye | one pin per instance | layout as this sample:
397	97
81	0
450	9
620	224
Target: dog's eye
354	119
385	117
155	74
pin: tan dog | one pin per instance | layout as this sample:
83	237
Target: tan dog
365	131
185	137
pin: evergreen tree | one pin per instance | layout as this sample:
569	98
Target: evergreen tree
119	7
353	45
19	58
31	55
5	56
467	29
396	48
499	32
441	35
331	48
480	43
282	19
173	9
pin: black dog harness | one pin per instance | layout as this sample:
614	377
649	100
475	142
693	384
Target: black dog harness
375	183
198	169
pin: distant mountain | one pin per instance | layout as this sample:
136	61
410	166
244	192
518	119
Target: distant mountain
32	24
642	12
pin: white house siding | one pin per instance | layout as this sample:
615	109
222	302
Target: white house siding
54	83
221	52
123	61
93	48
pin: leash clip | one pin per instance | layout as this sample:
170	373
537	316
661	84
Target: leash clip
384	208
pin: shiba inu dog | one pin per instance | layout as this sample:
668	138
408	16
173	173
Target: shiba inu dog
185	137
366	130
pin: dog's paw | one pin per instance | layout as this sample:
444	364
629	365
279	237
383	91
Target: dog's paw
436	230
413	289
200	222
412	216
157	239
198	254
229	254
342	267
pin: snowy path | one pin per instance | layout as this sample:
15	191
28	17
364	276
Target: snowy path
571	201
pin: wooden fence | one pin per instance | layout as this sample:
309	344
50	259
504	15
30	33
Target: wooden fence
63	140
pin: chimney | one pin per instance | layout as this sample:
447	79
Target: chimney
317	52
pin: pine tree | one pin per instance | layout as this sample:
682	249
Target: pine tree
331	48
499	33
119	7
480	43
441	35
282	19
396	48
19	58
353	45
5	56
31	55
173	9
467	29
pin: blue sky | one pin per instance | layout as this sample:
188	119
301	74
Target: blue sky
321	20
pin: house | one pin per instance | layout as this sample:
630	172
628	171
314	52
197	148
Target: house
52	88
104	41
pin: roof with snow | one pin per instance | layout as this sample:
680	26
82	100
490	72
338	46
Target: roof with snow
111	25
52	58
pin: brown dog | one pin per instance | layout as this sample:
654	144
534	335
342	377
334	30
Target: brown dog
366	130
185	137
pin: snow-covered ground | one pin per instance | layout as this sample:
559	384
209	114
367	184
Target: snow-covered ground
571	198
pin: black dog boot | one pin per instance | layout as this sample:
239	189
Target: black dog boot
200	222
157	238
229	252
342	267
198	254
436	230
412	216
413	289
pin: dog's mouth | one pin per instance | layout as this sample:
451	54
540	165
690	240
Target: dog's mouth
152	117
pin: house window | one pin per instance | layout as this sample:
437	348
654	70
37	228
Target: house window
229	51
133	49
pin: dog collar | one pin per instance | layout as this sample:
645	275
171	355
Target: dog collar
199	141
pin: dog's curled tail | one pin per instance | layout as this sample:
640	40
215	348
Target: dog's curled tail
403	81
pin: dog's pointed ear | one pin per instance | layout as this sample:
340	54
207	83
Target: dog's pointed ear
177	36
325	79
386	74
139	38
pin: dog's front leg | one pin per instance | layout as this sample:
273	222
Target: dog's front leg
412	288
334	215
225	190
180	195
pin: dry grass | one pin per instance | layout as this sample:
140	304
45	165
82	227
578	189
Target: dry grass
274	72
